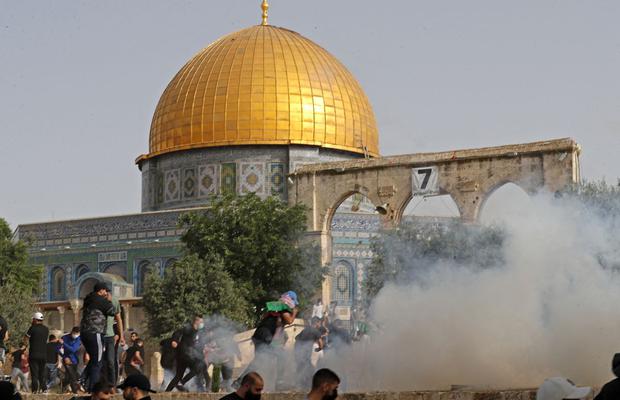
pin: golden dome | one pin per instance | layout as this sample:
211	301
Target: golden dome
263	85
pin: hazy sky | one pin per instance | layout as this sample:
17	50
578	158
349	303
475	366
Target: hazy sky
79	81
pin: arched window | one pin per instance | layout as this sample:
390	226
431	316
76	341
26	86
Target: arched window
116	269
80	270
144	268
58	283
342	283
169	263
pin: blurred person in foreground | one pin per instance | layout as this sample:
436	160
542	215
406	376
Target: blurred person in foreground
136	387
101	391
325	384
559	388
251	388
611	390
8	391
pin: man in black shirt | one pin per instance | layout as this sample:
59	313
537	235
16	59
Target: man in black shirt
189	354
611	390
37	338
134	358
250	388
304	345
52	361
95	311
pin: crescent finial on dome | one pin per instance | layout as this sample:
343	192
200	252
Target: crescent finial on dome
264	7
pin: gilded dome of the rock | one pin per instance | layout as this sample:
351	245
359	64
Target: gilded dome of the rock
263	85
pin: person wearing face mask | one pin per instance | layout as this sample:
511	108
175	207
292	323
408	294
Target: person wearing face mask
325	384
250	388
71	344
189	354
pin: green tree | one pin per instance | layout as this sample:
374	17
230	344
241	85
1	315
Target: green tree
192	286
405	254
260	243
20	283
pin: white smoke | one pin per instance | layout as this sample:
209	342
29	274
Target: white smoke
551	310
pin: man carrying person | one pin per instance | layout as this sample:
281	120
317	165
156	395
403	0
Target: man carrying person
111	341
251	388
136	387
265	331
96	309
71	344
304	346
189	354
37	337
52	361
325	384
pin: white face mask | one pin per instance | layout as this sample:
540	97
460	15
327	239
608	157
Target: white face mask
201	325
75	336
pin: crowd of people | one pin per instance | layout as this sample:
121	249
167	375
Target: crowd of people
95	359
90	355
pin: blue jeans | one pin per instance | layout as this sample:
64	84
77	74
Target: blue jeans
52	375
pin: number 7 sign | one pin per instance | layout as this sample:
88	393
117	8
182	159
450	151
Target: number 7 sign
424	181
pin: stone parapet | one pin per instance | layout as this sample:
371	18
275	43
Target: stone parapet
524	394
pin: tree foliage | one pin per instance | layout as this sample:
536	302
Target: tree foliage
241	253
192	286
20	283
260	243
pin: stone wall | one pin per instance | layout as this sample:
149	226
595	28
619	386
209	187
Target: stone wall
426	395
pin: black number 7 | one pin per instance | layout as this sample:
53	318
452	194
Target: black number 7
427	175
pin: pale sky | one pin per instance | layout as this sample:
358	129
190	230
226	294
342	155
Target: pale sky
79	81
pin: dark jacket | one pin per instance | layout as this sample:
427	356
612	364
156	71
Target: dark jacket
189	340
611	390
96	309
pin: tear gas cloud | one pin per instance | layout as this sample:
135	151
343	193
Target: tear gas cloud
550	309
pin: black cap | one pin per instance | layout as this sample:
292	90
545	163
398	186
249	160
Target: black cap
101	285
615	364
138	381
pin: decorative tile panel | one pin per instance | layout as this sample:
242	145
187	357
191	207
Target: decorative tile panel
172	185
252	178
189	183
159	188
228	176
277	182
207	180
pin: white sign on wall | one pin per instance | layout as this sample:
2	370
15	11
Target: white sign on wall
425	181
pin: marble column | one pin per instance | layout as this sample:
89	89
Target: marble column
76	305
126	311
61	312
